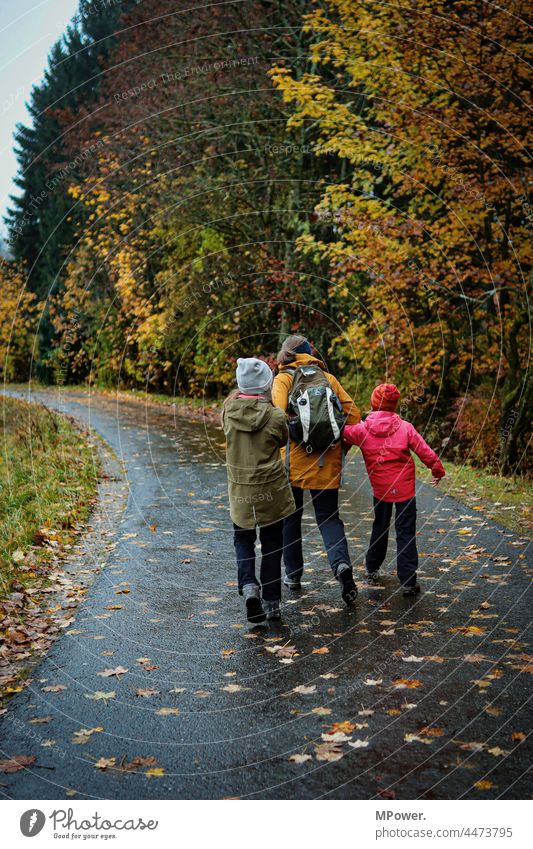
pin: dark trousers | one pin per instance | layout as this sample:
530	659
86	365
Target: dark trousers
271	537
405	525
326	505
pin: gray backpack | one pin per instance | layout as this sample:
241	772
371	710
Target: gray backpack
316	417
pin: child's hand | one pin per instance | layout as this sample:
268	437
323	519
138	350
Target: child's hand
435	481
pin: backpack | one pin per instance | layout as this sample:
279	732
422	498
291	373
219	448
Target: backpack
316	417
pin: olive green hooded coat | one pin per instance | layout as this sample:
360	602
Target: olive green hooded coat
258	487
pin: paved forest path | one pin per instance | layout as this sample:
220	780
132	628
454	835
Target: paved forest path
426	698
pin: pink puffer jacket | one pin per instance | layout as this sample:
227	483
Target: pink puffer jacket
386	442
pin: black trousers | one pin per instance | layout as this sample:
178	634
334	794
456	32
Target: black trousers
326	505
271	538
405	525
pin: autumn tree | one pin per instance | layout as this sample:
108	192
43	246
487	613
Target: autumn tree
428	230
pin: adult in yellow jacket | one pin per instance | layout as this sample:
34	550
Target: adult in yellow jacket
318	473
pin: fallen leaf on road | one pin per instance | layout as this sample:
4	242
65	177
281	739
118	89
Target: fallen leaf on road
406	683
321	650
359	744
413	659
328	752
99	695
104	763
346	726
483	784
468	630
227	652
16	763
285	651
54	688
415	738
233	688
168	711
518	736
300	759
146	692
321	711
155	772
118	670
335	737
84	735
202	694
304	690
497	752
471	747
373	682
40	720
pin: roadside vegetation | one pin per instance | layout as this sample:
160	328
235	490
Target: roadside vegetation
48	478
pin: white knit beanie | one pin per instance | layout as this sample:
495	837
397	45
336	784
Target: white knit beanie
253	376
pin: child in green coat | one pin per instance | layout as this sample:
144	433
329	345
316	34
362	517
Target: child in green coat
258	487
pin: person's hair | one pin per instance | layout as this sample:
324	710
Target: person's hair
287	353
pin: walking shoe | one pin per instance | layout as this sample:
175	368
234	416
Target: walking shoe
344	575
292	584
373	578
272	610
411	591
254	608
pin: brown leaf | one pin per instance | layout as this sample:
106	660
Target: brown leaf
304	690
146	692
84	735
104	763
321	650
406	683
40	720
347	727
16	763
118	670
328	752
54	688
168	711
483	784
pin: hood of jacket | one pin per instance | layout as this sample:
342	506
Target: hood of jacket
382	423
303	360
248	414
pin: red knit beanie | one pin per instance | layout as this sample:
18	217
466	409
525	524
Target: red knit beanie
385	397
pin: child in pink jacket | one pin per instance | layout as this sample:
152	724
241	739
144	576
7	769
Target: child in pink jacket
386	442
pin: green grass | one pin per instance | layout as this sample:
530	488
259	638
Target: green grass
48	479
508	501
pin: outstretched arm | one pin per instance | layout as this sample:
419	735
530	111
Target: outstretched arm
280	391
348	405
426	454
352	434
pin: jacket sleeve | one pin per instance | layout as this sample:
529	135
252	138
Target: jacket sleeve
280	391
352	434
425	453
280	426
349	407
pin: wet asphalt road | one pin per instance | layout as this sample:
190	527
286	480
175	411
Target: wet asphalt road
433	726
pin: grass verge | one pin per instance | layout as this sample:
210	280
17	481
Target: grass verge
48	479
508	501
